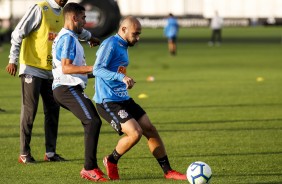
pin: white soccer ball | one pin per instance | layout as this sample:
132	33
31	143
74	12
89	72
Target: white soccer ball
199	173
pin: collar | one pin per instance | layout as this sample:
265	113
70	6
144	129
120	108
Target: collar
71	32
121	40
53	4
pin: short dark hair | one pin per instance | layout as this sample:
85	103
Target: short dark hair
73	8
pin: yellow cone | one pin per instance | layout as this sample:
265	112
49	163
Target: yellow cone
260	79
142	95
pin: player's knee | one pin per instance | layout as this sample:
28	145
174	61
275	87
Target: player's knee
136	135
92	122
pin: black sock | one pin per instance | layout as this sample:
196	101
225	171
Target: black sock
114	157
164	163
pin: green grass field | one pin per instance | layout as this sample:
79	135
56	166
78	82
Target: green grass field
205	102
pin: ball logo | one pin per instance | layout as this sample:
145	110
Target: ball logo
122	114
195	165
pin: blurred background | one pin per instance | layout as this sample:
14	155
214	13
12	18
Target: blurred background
103	16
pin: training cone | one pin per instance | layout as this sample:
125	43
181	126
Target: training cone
150	79
142	96
260	79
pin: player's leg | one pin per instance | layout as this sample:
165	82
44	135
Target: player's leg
157	148
51	112
74	100
155	142
121	120
173	39
118	116
133	133
212	40
219	36
30	96
171	46
168	45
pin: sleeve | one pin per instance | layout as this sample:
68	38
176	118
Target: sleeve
66	48
105	56
30	22
85	35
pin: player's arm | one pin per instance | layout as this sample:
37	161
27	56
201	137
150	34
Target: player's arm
104	57
87	36
90	75
69	68
30	22
66	52
128	81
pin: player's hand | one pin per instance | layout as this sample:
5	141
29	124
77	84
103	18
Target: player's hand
129	82
12	69
94	41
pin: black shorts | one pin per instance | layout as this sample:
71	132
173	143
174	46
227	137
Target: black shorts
116	113
172	39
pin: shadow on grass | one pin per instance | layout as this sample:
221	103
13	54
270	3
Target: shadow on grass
251	175
80	133
226	40
231	154
171	107
210	106
262	183
213	155
221	122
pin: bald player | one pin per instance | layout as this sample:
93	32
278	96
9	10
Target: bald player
115	105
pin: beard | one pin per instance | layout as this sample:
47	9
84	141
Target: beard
78	30
131	43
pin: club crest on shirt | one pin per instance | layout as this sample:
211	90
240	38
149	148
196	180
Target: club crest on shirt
122	114
122	69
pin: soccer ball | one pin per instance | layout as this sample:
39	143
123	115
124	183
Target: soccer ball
199	173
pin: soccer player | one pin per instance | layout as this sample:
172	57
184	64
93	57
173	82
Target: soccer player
70	79
115	105
216	27
171	32
31	44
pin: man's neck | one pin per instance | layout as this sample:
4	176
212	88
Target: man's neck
53	4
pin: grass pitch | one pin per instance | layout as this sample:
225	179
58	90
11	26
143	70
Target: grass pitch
221	105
